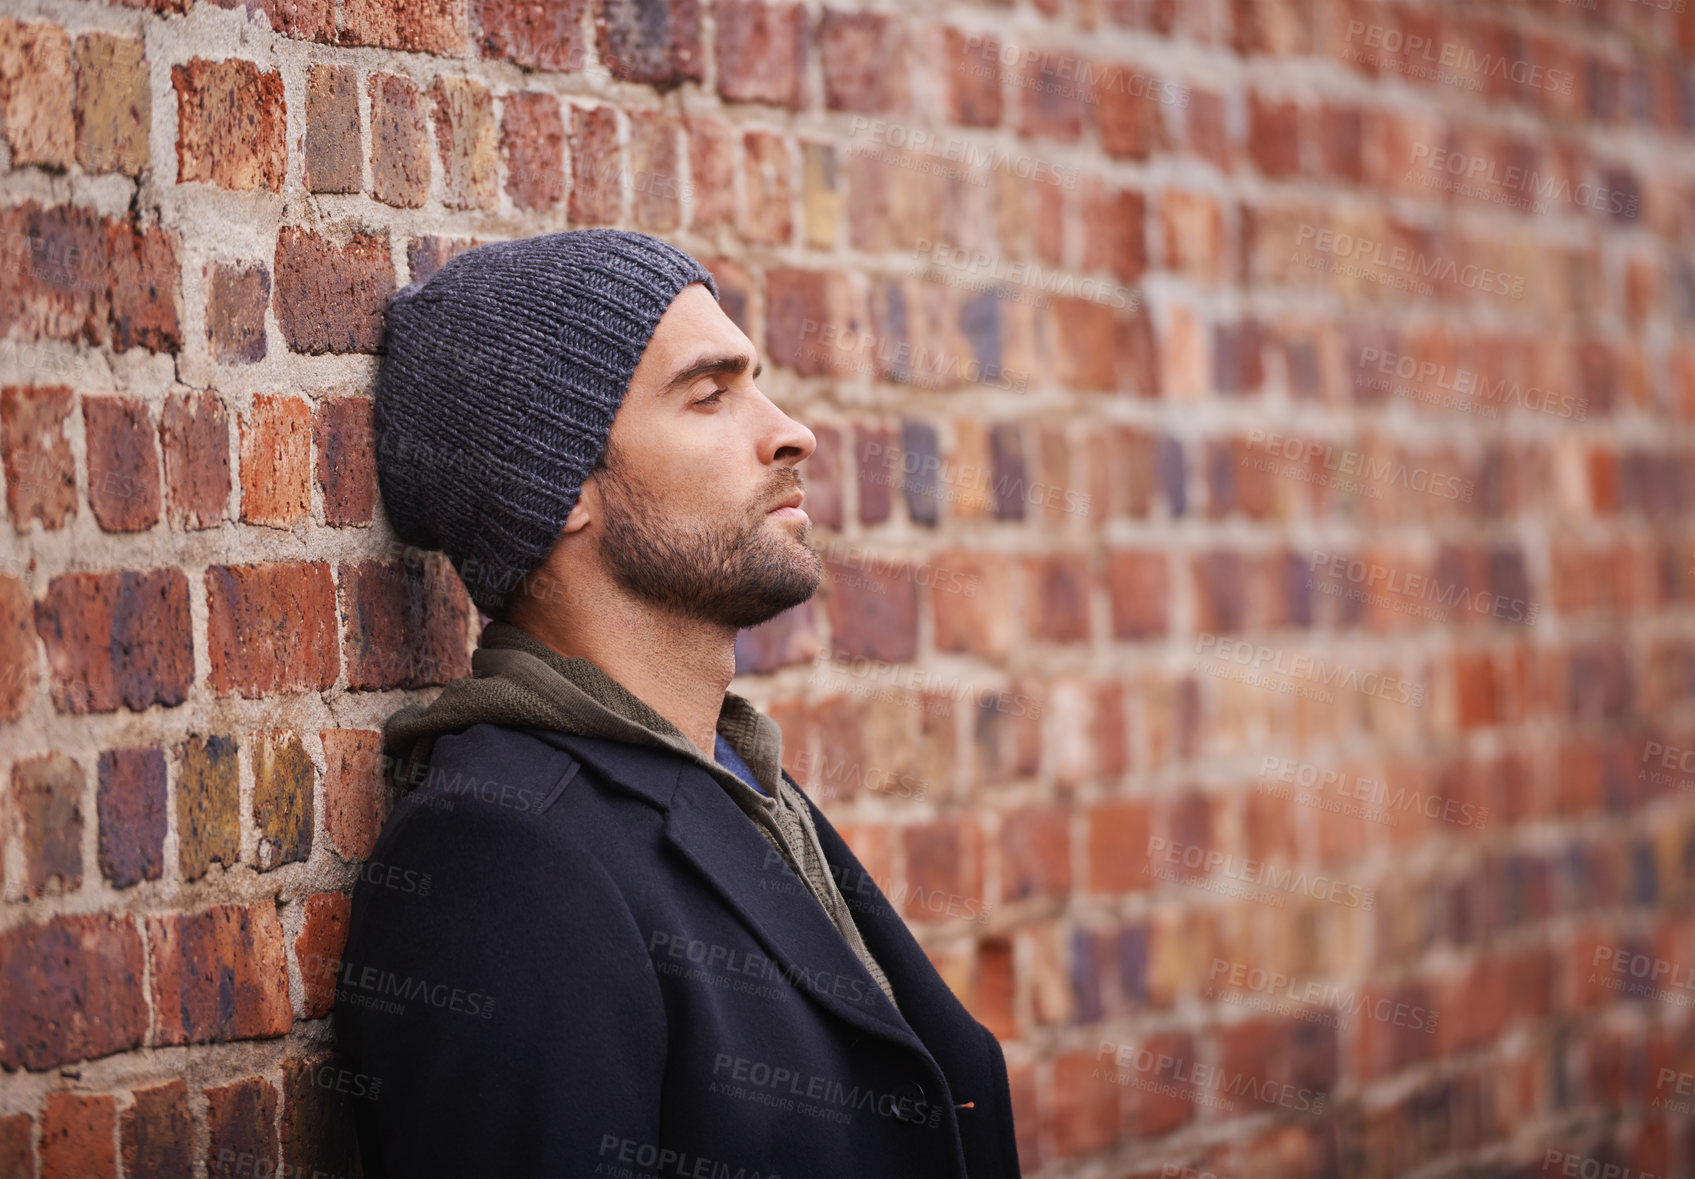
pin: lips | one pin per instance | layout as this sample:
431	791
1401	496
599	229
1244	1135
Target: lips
793	501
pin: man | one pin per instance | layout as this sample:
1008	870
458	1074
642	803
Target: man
603	932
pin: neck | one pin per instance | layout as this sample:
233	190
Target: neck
679	667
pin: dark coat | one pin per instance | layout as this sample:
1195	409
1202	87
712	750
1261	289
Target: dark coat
588	961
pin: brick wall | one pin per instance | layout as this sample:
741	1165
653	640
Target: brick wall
1254	457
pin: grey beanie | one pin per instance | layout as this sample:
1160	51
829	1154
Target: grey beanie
502	376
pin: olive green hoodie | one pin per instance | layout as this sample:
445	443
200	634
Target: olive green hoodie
518	680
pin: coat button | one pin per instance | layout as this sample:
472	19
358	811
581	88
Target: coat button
910	1103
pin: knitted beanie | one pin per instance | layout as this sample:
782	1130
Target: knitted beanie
501	378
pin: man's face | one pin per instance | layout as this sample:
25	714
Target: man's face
697	459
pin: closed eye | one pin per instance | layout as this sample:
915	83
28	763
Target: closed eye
712	398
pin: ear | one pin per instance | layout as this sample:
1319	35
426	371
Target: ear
586	508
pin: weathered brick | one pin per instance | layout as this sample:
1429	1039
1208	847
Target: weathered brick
218	974
208	802
787	640
439	28
468	142
1139	593
345	460
654	42
1050	103
70	989
821	195
1115	231
426	255
1273	140
331	298
276	461
334	147
1086	332
194	434
973	77
19	664
113	104
878	461
873	611
157	1133
597	167
944	864
655	172
971	602
123	463
318	1134
117	638
354	800
144	287
864	55
17	1152
822	471
232	124
282	797
539	34
766	177
1117	846
131	808
761	52
307	19
36	447
404	624
1130	120
47	816
56	281
712	170
271	628
241	1125
323	934
36	94
79	1137
1057	598
806	313
236	298
1035	853
400	142
532	133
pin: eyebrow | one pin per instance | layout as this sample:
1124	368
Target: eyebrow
731	363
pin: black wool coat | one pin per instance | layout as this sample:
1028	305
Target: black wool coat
571	956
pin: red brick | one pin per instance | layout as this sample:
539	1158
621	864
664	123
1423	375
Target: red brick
400	142
787	640
36	94
308	19
405	624
79	1137
35	444
1274	141
194	433
655	171
131	806
1207	130
236	298
1139	591
331	298
323	935
1035	853
761	52
1193	229
873	610
971	602
822	471
426	255
1057	598
1117	846
343	454
276	461
283	780
17	1152
271	628
878	460
1050	105
864	56
157	1132
439	28
533	135
47	816
653	42
540	34
767	177
822	194
1084	1114
70	989
143	287
19	664
1167	1099
801	306
318	1134
468	142
334	148
241	1124
944	866
113	104
1115	231
974	77
57	279
712	169
218	974
208	803
597	192
123	463
117	638
354	800
1130	120
1085	332
232	125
